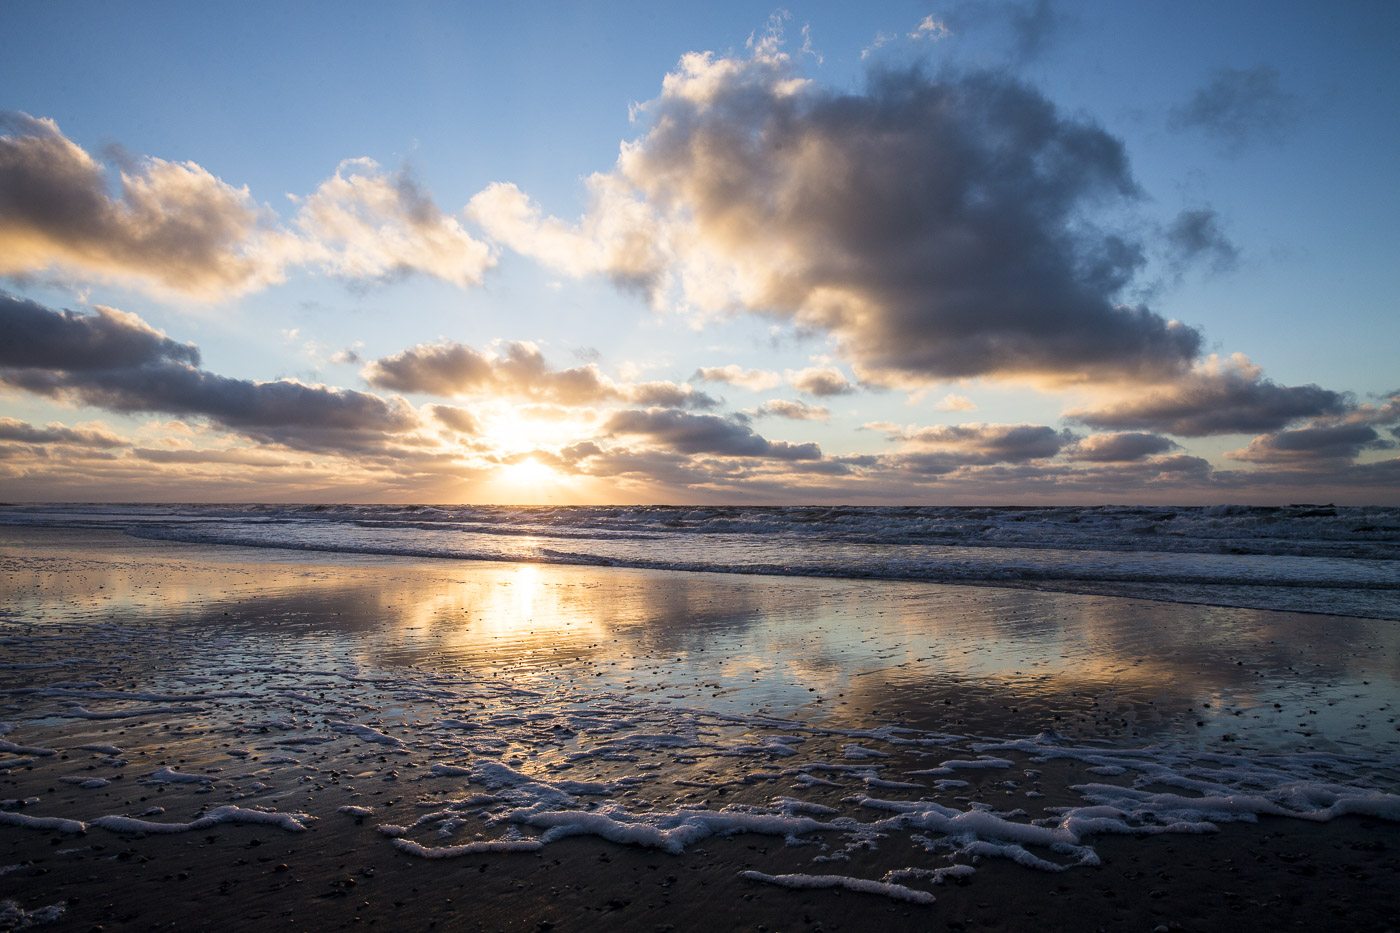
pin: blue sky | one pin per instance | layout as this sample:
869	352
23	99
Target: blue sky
973	252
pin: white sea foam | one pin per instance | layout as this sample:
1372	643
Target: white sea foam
470	848
962	764
14	917
26	749
366	733
171	776
292	822
896	892
79	712
87	783
42	823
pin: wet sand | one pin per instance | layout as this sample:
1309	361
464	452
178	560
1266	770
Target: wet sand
421	690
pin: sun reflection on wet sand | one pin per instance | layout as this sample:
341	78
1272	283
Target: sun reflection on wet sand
942	657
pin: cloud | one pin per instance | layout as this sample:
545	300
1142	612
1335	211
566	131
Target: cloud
38	337
61	355
1240	107
1195	236
1312	444
458	419
364	223
1219	396
938	228
1119	448
238	456
1327	442
880	41
518	370
444	369
1387	412
349	356
1035	26
954	402
12	429
704	434
666	394
1030	28
755	380
975	443
648	469
822	381
618	237
794	409
972	483
931	28
174	225
309	417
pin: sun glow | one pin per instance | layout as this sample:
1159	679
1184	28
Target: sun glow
520	455
513	431
529	472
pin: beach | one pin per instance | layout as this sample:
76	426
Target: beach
217	737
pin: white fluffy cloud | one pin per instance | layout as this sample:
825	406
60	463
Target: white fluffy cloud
619	237
175	227
755	380
364	223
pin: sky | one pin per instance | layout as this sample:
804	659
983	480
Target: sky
981	252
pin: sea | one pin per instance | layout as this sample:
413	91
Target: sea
1302	558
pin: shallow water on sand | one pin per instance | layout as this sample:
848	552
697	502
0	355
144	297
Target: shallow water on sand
876	727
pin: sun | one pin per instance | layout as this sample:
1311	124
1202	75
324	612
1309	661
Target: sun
529	472
524	448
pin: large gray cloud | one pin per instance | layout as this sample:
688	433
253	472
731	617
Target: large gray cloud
35	336
976	443
1221	397
12	429
518	370
1239	107
1312	444
937	226
61	354
704	434
1119	448
236	456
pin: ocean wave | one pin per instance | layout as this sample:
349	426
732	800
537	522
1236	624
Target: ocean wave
1296	555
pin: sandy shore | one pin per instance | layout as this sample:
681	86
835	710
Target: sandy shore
579	748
